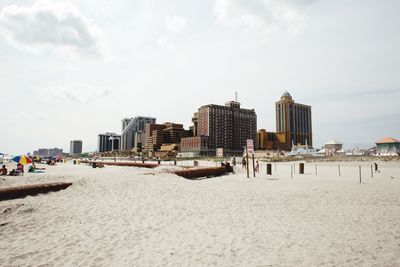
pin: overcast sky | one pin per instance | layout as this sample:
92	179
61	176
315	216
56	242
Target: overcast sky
74	69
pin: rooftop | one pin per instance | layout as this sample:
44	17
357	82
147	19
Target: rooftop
286	94
333	142
387	140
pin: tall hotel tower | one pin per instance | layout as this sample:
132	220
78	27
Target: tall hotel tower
217	126
294	121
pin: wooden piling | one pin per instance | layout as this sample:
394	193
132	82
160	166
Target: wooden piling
372	172
291	171
254	167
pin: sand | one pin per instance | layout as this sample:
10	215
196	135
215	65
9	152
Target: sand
123	216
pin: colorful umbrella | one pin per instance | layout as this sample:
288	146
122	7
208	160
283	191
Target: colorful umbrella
22	159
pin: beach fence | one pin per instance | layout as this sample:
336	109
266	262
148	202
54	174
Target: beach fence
291	170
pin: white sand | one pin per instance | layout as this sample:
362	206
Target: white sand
123	216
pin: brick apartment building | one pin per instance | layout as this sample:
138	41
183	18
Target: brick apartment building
159	135
216	126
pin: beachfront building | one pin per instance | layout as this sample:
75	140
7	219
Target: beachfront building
216	126
133	132
388	146
167	151
108	142
303	151
270	140
332	148
163	135
293	120
48	152
75	147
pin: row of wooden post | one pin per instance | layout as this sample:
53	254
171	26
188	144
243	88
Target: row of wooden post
293	168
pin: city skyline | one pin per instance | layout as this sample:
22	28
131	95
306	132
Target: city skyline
149	58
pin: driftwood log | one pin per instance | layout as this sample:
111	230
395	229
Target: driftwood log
30	190
201	172
126	164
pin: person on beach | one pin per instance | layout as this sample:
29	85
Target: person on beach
376	168
3	170
257	167
244	163
34	169
234	162
20	169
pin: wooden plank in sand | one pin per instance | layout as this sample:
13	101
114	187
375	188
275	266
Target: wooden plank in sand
30	190
201	172
132	164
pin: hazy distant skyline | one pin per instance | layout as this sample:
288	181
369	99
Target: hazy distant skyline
74	69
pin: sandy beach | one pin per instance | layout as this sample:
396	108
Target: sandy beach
124	216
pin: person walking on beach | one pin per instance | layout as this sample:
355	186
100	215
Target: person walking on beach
376	168
234	161
3	171
257	167
244	163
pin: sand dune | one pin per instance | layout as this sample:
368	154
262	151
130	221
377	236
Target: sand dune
122	216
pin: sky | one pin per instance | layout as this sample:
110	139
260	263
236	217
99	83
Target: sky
73	69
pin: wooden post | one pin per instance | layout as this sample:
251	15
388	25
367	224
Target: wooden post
359	171
254	169
275	166
294	167
247	163
291	171
316	172
372	173
339	169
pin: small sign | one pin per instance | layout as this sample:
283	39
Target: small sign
250	146
220	152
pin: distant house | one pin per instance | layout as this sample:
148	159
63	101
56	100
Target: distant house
333	148
388	146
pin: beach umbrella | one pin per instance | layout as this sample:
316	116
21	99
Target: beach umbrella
22	159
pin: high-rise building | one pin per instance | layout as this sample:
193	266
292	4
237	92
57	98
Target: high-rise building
294	121
270	140
48	152
133	132
108	142
75	147
162	134
217	126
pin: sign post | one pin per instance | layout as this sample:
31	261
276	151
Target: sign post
220	152
247	162
250	150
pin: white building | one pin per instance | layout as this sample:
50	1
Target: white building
132	128
333	148
75	147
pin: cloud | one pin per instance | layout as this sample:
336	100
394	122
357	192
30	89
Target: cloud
163	41
47	24
376	93
78	93
262	15
175	24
